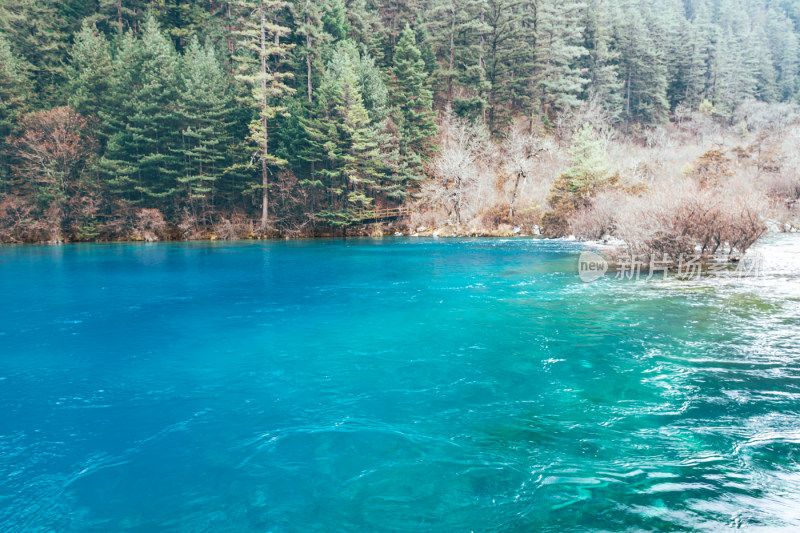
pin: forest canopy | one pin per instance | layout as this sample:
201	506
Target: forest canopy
123	118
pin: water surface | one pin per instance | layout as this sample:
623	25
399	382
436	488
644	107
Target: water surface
392	385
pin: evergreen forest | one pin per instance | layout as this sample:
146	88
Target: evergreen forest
186	118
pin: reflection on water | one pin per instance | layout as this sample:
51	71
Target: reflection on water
469	385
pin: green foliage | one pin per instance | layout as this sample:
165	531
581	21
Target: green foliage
92	73
589	162
38	32
142	160
15	91
311	40
258	56
589	171
413	101
455	30
365	27
599	61
206	134
395	15
182	19
643	63
498	56
335	22
207	108
117	16
556	84
347	136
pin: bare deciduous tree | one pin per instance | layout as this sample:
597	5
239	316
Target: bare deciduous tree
456	169
52	155
521	150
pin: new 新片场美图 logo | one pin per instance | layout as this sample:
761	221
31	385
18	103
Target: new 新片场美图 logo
591	266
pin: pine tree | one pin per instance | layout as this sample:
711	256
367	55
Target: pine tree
348	143
785	46
15	89
365	27
116	166
142	153
308	17
766	74
425	45
413	103
642	65
335	22
449	20
92	74
373	89
38	32
735	69
396	15
500	38
117	16
599	62
181	19
701	47
15	93
205	106
574	188
556	83
455	27
258	57
672	31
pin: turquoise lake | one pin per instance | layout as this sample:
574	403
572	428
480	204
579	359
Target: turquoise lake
392	385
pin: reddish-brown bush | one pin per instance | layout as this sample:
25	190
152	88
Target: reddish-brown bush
685	221
51	157
150	225
712	168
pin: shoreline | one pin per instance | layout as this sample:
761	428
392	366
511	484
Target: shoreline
609	245
292	238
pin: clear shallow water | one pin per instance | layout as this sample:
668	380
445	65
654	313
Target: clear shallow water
396	385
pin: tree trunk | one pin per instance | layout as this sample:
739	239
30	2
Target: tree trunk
539	114
545	76
514	195
265	152
628	104
228	37
308	66
452	55
308	57
481	62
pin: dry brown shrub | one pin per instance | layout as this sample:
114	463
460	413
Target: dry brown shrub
189	225
529	218
121	224
784	186
712	168
237	227
242	225
150	225
15	214
687	220
19	222
426	218
495	215
598	221
224	230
